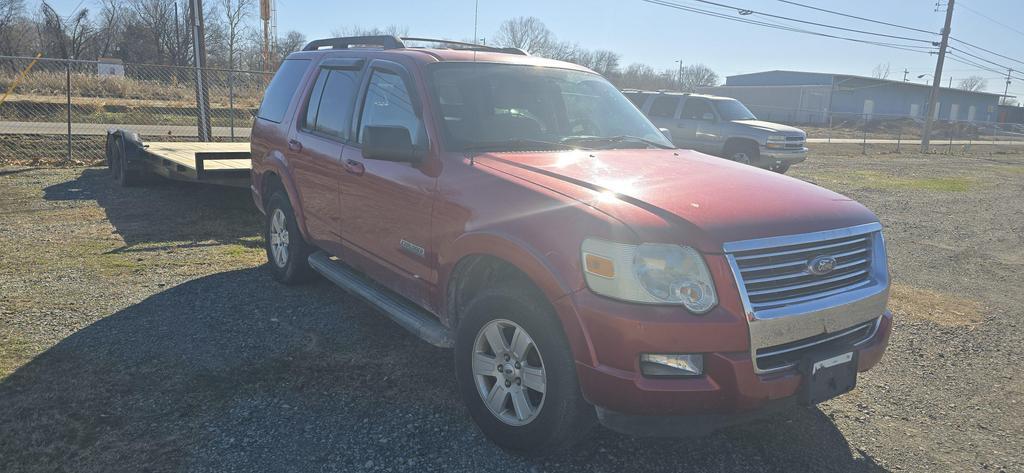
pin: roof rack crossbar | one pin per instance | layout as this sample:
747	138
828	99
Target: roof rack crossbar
470	46
382	41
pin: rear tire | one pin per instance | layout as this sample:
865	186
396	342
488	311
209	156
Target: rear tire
524	419
287	251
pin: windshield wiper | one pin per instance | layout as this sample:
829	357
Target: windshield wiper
616	139
516	144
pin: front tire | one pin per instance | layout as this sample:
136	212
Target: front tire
517	375
780	168
287	251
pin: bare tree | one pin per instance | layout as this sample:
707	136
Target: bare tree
65	37
10	14
235	14
697	75
109	27
527	33
881	71
973	84
292	41
389	30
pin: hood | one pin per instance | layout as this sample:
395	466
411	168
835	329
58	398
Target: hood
685	196
769	126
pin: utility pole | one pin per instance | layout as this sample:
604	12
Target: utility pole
679	76
1007	89
937	79
265	18
950	82
905	72
199	52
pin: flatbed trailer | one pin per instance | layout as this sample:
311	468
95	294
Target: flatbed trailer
221	163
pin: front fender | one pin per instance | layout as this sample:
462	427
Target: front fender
550	280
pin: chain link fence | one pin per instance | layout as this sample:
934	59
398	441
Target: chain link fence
882	133
59	110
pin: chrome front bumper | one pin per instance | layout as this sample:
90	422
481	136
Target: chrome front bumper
831	314
782	156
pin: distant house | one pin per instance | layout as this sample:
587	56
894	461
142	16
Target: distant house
811	97
110	67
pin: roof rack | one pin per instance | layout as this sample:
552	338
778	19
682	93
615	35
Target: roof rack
394	42
382	41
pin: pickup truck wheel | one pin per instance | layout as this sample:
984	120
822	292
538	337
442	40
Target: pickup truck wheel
744	153
780	168
287	251
517	375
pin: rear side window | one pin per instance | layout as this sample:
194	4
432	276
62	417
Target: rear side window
694	108
664	106
637	99
279	92
331	101
388	104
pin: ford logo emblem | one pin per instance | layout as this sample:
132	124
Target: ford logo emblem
821	265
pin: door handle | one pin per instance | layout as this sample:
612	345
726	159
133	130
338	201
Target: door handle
354	167
294	145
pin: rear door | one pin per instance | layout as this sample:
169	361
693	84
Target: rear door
322	129
387	205
663	110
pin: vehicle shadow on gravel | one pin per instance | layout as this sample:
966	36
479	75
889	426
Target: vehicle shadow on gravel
233	372
160	211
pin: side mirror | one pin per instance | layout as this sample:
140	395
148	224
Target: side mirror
389	143
666	132
708	116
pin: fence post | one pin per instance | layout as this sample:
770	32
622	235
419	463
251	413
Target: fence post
952	131
899	137
864	137
67	87
830	127
231	101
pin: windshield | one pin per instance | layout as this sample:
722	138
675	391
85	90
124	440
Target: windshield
505	107
733	110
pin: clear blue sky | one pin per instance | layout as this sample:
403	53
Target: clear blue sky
657	35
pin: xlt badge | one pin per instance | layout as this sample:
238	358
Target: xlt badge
413	249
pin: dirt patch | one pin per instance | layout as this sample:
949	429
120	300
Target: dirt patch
925	304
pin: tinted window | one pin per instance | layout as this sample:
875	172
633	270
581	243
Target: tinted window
695	108
279	92
388	104
664	106
313	104
637	99
733	110
335	111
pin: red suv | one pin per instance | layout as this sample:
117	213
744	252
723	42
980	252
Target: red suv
524	212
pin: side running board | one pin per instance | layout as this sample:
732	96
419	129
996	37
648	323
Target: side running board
413	318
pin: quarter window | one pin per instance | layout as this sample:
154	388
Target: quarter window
282	87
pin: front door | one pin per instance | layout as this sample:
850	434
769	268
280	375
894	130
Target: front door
697	126
387	205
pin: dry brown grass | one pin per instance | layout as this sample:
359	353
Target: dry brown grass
942	309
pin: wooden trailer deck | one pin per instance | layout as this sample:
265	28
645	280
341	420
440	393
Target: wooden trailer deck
214	163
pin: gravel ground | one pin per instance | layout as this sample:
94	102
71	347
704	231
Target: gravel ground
140	332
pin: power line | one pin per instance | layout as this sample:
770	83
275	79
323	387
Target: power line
987	51
982	59
901	46
747	11
857	17
993	20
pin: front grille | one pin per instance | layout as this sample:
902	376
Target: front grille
779	276
795	142
789	354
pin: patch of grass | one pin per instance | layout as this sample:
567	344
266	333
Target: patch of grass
942	309
878	180
14	352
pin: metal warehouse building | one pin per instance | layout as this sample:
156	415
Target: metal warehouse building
811	97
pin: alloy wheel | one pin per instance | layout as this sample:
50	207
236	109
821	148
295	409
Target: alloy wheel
279	238
509	372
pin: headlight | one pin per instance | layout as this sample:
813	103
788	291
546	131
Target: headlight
650	273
